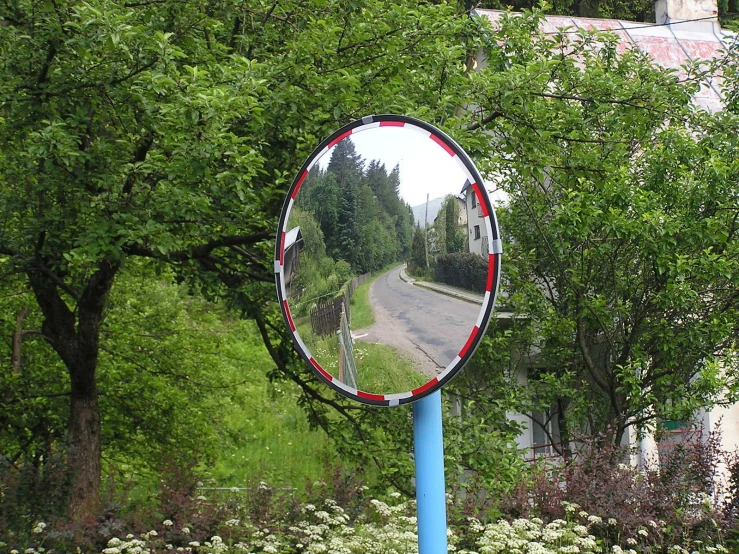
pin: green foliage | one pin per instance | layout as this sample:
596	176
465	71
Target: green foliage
418	251
453	238
183	381
170	131
462	269
620	228
319	275
363	219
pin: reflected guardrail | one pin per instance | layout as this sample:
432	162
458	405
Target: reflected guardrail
347	364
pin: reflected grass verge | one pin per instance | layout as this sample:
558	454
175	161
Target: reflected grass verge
362	315
385	370
381	369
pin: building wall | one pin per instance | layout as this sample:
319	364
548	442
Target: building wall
474	218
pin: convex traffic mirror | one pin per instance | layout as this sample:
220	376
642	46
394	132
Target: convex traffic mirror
387	259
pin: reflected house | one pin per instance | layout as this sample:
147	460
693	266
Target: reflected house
434	245
686	31
477	234
293	245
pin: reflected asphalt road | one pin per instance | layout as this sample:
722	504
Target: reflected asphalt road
431	327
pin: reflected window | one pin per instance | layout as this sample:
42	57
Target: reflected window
474	200
477	232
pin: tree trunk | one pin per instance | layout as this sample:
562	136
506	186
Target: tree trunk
75	335
84	455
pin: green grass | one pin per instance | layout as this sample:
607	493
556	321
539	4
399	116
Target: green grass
266	436
362	315
272	442
383	369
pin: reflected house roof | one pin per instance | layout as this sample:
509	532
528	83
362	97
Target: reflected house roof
293	246
292	237
669	45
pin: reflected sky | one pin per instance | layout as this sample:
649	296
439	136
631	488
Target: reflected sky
424	167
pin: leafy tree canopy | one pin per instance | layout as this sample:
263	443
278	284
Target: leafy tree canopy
621	226
169	130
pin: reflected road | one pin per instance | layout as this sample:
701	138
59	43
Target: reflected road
431	327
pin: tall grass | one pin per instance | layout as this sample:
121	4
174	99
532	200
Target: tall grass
266	436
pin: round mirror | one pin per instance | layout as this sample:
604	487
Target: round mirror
387	259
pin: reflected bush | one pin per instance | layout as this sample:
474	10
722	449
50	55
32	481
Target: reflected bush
462	269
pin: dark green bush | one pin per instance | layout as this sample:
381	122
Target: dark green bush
462	269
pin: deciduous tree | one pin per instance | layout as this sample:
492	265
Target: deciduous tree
170	131
621	226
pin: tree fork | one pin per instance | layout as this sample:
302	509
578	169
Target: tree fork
78	348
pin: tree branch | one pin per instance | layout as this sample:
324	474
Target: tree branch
484	121
41	266
138	157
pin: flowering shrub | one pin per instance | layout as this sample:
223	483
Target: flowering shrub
677	500
383	528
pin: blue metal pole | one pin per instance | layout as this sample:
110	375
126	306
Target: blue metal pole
429	459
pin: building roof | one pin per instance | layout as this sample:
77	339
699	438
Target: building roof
670	45
293	236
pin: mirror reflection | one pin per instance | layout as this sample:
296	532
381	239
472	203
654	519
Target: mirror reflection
385	260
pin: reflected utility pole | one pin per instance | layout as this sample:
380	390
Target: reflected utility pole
426	231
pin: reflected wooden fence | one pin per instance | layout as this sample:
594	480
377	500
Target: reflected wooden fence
325	317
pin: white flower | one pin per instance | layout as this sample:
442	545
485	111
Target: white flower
643	532
611	521
152	533
570	507
40	526
185	530
167	523
194	543
631	541
232	523
594	519
395	494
